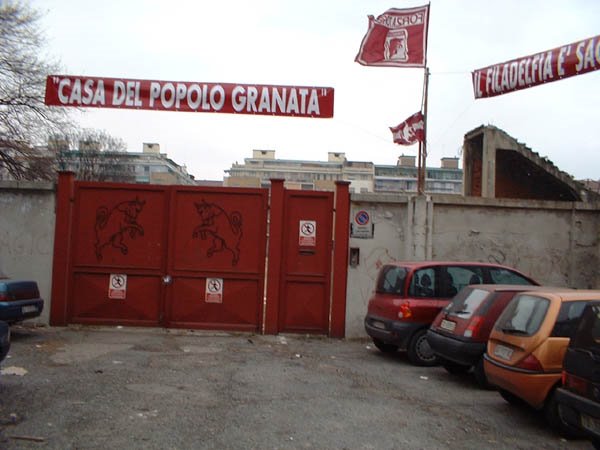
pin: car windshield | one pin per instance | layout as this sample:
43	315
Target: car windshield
467	301
505	276
391	280
587	335
523	315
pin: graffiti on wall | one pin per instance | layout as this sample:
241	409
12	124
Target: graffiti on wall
510	250
14	242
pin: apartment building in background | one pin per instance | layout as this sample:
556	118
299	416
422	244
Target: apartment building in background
363	176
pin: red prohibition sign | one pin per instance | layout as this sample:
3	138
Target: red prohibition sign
362	217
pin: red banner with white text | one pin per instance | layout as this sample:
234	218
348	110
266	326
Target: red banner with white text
552	65
272	100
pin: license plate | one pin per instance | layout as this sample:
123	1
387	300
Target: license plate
503	352
590	423
28	309
379	325
448	325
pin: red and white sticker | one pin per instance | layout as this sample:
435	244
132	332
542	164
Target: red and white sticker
214	290
117	286
307	233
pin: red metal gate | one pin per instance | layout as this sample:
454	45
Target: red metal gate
195	257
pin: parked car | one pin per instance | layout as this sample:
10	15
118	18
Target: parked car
458	335
527	346
4	340
408	296
19	300
579	397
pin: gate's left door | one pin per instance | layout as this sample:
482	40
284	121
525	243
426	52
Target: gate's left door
118	255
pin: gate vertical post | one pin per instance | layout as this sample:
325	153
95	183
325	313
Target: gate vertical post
337	326
62	248
273	282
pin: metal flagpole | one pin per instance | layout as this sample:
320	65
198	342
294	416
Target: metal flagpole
423	145
419	169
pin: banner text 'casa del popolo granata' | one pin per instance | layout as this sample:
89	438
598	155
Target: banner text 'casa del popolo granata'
552	65
297	101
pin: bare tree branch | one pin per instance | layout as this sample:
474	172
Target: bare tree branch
25	121
94	155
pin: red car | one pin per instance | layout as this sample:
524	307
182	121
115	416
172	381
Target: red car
459	333
408	296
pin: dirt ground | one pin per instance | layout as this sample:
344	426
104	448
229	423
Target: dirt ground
127	388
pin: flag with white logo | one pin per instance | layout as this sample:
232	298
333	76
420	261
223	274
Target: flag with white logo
410	131
396	38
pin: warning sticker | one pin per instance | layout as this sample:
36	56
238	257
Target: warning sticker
117	286
214	290
307	234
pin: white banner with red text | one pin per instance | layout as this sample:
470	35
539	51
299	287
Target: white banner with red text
273	100
552	65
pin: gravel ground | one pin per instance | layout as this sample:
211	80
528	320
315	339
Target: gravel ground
128	388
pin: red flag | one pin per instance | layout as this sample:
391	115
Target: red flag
410	131
396	38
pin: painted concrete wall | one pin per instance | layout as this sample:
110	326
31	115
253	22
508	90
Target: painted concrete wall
556	243
27	235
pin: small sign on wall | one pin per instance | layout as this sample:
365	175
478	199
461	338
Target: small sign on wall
362	225
214	290
117	286
307	233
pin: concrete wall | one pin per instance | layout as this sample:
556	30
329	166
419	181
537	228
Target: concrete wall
557	243
27	217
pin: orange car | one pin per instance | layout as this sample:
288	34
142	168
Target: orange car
527	345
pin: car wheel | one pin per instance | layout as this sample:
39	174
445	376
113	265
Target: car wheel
510	397
419	351
385	348
556	423
454	368
480	377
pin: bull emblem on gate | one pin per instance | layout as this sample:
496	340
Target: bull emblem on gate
114	225
224	230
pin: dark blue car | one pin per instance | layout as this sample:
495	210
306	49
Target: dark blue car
19	300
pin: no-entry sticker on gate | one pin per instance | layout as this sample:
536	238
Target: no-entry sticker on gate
117	286
214	290
307	234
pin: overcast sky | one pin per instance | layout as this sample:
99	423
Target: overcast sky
314	43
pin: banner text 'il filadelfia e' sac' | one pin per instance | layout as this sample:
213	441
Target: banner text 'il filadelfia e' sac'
569	60
297	101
